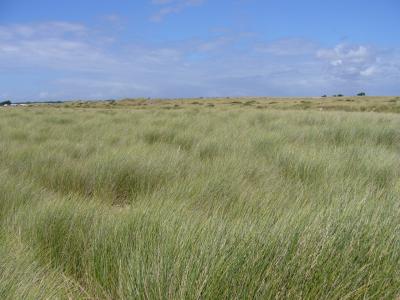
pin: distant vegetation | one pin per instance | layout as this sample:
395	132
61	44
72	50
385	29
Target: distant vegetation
201	199
3	103
356	103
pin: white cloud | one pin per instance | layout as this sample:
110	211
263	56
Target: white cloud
365	67
46	29
353	54
214	44
288	47
368	71
58	45
351	61
169	7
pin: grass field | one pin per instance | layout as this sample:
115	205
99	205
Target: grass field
205	200
352	104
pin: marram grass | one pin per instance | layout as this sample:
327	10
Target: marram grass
199	203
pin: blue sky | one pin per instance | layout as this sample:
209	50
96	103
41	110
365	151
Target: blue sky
102	49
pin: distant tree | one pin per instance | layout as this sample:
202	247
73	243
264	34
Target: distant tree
339	95
361	94
324	96
8	102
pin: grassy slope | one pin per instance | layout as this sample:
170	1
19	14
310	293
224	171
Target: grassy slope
211	202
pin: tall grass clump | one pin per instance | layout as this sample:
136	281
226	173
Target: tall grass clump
199	203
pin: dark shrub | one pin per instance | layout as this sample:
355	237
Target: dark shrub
8	102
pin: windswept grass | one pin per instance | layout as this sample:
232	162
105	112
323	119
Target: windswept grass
199	202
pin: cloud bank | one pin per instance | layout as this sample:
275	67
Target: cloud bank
62	60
